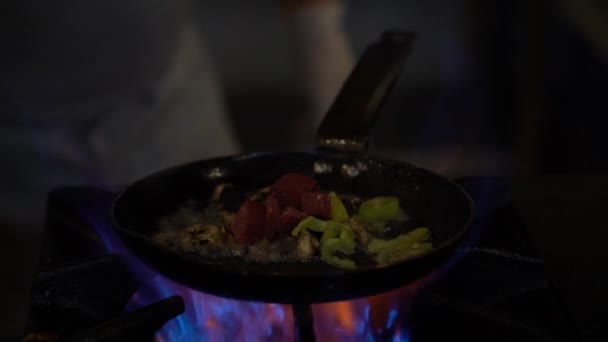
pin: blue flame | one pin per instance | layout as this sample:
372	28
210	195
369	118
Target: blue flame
391	318
401	338
211	318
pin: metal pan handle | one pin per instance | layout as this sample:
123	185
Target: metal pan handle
349	121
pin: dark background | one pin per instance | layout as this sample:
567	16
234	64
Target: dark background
519	85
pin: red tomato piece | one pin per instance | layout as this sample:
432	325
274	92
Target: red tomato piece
289	188
273	216
290	218
248	223
316	204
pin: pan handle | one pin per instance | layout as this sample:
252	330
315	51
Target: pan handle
349	121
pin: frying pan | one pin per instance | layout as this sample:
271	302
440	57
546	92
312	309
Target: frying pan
340	163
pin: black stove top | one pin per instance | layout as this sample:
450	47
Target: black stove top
495	289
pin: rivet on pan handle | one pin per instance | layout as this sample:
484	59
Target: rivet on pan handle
348	123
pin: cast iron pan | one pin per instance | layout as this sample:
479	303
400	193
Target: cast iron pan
340	163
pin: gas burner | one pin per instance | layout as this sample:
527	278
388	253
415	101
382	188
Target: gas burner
141	324
494	289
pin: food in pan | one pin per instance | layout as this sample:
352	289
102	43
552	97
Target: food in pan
294	220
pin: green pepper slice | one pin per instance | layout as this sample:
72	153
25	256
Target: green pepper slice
338	210
337	238
402	247
338	230
311	223
330	247
402	241
380	209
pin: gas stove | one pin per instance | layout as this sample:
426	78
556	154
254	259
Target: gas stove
91	288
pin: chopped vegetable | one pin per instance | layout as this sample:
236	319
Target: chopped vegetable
273	217
405	240
339	230
330	247
307	245
248	224
402	247
361	234
290	217
293	220
316	204
199	234
330	229
380	209
338	210
311	223
337	238
290	187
